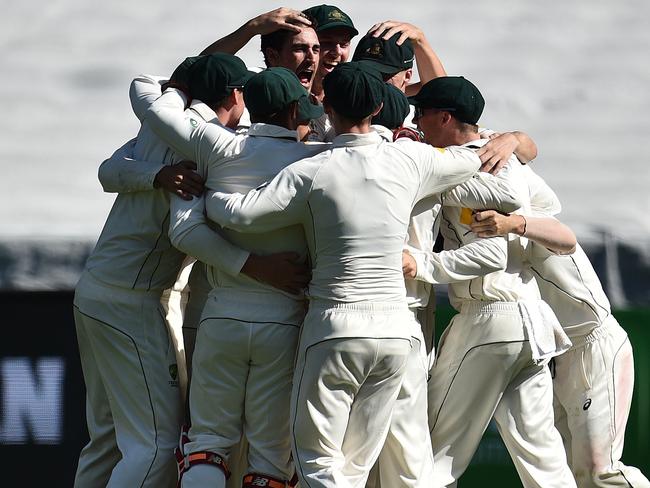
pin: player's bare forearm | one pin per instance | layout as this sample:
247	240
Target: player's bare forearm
428	62
280	18
546	231
526	151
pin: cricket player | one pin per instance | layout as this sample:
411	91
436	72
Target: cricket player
134	408
491	361
592	381
399	464
354	202
245	350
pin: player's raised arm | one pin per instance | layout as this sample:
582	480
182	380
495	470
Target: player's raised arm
280	18
428	62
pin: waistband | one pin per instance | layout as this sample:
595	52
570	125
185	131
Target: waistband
597	333
368	307
276	299
474	307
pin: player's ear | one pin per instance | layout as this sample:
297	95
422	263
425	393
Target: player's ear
378	109
272	57
408	75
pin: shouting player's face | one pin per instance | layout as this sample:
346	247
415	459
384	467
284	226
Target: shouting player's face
300	54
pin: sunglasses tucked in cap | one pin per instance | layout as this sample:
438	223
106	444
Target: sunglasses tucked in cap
353	90
329	16
212	77
454	94
386	56
270	91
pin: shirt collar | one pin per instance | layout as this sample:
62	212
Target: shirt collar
476	143
384	132
269	130
367	139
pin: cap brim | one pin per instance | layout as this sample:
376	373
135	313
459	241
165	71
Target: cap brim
382	68
308	110
331	25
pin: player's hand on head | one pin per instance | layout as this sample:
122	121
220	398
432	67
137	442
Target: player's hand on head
280	18
490	223
281	270
496	153
180	179
409	265
389	28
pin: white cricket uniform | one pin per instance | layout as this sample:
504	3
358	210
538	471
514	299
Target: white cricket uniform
491	360
593	381
184	301
403	461
245	350
134	408
354	202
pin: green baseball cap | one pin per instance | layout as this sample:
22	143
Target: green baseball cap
353	90
395	109
454	94
329	16
179	76
212	77
384	54
270	91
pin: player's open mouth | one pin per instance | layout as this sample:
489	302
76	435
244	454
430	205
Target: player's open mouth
305	76
329	67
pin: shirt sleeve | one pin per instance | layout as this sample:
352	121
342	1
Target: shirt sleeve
122	174
144	90
484	191
187	135
280	203
474	259
189	232
441	169
543	199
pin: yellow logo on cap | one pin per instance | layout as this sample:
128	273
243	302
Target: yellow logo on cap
375	50
336	15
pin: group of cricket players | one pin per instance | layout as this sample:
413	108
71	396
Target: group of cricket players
292	222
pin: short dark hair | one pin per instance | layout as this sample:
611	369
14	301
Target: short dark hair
278	38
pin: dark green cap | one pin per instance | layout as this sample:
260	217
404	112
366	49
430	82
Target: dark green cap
395	109
454	94
353	90
386	56
329	16
212	77
270	91
179	76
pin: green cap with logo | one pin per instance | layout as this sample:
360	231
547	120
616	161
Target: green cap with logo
329	16
270	91
353	90
395	109
454	94
385	54
212	77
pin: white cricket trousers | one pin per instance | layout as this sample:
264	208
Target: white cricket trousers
593	383
344	392
241	384
406	460
484	369
133	404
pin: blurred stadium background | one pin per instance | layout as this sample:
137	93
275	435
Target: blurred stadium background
571	74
